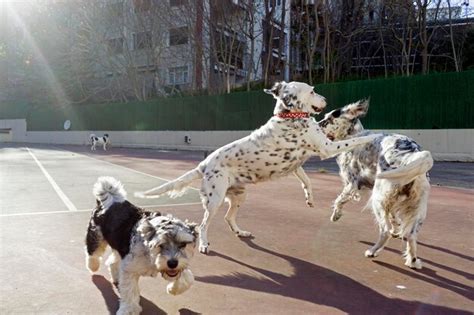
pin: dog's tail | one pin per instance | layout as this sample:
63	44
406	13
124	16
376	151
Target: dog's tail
107	190
174	188
404	174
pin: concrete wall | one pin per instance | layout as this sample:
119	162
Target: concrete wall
444	144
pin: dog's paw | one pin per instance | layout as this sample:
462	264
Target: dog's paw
413	263
370	254
93	263
310	203
183	283
243	234
336	215
204	249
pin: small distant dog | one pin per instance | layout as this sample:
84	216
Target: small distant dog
277	149
394	167
105	141
143	244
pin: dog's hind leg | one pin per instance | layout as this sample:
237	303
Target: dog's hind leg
411	260
113	262
213	190
95	247
384	234
235	197
306	185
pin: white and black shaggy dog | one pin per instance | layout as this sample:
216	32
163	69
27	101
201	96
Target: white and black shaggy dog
394	167
278	148
104	141
143	244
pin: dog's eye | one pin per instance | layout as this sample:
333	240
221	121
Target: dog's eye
182	245
312	92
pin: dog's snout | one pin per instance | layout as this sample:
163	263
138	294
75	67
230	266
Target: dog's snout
172	263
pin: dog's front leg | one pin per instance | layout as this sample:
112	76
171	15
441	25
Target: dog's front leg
129	294
113	262
341	200
306	184
331	148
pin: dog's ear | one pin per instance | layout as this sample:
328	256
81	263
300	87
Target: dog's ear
192	226
146	230
276	89
358	109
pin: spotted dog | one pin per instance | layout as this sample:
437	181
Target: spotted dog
394	167
277	149
105	141
143	244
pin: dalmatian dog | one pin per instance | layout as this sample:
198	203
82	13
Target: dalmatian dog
277	149
105	141
393	167
143	243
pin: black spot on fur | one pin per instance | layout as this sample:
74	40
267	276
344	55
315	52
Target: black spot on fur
336	113
407	145
115	225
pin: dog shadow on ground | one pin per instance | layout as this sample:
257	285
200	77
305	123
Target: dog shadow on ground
319	285
112	299
448	251
429	275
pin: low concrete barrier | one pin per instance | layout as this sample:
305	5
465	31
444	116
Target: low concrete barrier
444	144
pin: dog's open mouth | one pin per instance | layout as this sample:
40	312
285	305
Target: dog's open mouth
317	110
172	273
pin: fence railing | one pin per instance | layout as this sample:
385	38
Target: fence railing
436	101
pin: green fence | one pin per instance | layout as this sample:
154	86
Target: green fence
421	102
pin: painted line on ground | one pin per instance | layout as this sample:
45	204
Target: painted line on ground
124	167
90	210
56	188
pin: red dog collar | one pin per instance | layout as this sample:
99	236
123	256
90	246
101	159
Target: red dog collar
293	115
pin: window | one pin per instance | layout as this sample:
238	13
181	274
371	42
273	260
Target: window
115	45
142	40
176	3
178	36
178	75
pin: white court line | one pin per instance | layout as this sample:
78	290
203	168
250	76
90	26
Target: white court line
124	167
90	210
58	190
